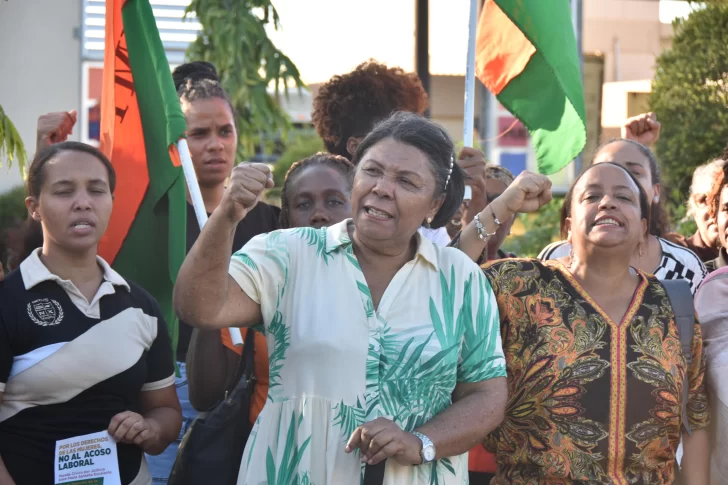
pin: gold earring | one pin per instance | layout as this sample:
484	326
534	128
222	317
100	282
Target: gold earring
639	249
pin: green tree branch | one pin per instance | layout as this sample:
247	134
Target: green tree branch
11	145
234	39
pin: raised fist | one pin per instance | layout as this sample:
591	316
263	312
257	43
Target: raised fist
528	193
247	183
54	128
644	129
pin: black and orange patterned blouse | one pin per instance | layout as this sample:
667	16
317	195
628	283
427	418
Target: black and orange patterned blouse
590	401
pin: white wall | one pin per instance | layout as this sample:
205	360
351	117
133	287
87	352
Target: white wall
40	66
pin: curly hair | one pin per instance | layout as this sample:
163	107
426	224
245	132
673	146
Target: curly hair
713	200
351	105
336	162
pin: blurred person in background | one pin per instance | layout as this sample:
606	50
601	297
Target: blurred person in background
718	204
705	241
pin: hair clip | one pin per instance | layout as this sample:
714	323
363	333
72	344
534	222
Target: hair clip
449	173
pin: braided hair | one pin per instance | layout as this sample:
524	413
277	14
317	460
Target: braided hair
336	162
199	80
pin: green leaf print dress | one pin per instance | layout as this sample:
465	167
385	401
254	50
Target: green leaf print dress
336	362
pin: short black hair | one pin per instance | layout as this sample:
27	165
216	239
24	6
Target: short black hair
36	172
568	198
431	139
199	80
336	162
659	222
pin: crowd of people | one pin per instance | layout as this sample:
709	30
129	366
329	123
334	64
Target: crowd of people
391	327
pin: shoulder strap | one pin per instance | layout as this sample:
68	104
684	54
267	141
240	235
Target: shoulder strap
681	299
246	365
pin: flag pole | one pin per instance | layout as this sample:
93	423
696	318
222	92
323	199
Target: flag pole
469	118
199	205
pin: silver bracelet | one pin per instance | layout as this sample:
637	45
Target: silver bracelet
492	212
482	233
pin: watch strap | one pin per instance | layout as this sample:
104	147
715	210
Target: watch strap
426	443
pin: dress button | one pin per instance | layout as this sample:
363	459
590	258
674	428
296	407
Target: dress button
375	347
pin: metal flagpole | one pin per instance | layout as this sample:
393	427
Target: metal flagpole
199	205
469	118
577	21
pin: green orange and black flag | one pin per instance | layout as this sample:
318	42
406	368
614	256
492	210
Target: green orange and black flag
526	55
141	120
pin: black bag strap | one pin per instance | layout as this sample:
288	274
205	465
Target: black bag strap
681	299
246	366
374	474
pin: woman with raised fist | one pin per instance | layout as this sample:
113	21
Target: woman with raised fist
382	345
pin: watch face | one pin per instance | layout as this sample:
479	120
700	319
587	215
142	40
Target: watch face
429	453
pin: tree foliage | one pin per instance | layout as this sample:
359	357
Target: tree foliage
234	39
690	95
11	145
303	146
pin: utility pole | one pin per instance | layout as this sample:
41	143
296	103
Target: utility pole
422	45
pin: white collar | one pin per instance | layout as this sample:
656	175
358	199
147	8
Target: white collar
34	272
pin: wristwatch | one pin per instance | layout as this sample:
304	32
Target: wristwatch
428	448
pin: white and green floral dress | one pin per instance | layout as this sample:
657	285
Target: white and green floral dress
337	362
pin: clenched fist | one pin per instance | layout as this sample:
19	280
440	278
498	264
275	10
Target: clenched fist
247	183
54	128
528	193
644	129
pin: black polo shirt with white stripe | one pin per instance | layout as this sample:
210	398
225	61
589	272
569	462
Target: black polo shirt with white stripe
67	365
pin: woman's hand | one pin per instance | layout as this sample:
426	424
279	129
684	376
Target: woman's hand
247	183
131	428
644	129
528	193
54	128
381	439
472	162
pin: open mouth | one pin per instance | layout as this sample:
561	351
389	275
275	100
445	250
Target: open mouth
607	221
82	224
377	213
215	161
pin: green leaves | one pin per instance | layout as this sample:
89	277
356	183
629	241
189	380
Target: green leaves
690	96
282	337
348	418
11	145
234	38
284	473
315	237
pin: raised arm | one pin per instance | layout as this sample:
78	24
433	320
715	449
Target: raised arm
205	295
528	193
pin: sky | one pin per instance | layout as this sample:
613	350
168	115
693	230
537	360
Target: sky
333	37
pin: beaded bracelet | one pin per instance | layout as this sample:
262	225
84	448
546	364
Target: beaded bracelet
482	233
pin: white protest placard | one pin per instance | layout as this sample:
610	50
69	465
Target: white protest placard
87	460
